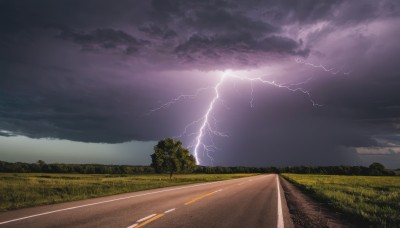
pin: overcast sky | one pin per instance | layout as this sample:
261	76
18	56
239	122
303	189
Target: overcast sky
101	80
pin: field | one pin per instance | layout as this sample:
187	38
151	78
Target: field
371	199
18	190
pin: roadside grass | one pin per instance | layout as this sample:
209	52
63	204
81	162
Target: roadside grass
19	190
371	199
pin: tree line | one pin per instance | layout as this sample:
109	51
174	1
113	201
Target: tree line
375	169
42	167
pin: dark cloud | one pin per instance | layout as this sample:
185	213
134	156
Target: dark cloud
367	11
73	107
165	7
158	31
221	21
308	11
200	48
104	39
215	22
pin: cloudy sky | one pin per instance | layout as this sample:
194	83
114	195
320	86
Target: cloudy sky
288	82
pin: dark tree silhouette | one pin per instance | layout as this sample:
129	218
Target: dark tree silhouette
170	156
377	166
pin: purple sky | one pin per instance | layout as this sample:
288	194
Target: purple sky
91	71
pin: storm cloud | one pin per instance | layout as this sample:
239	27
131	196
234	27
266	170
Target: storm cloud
91	71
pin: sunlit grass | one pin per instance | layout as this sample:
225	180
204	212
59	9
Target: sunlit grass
24	190
375	200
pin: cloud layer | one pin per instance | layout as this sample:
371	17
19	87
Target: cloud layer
90	72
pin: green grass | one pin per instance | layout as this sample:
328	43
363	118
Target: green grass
374	200
19	190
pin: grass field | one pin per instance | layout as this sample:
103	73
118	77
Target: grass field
374	200
19	190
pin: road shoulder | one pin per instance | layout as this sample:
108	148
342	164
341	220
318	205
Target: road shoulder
306	212
288	221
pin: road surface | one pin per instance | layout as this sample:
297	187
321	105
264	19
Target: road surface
256	201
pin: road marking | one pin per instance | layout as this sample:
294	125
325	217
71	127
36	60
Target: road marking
145	218
280	214
202	196
170	210
108	201
150	220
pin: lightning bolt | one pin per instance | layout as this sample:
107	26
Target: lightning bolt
289	87
177	99
322	67
207	124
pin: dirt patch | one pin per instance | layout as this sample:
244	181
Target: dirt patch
306	212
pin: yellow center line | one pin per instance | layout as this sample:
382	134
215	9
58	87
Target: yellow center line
150	220
201	197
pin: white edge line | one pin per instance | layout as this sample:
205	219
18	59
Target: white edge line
145	218
170	210
280	223
108	201
134	225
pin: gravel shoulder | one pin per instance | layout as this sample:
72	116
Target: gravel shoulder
306	212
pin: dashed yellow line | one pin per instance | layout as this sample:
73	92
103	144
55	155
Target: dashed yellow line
153	218
150	220
201	197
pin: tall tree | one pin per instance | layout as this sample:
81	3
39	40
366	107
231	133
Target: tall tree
377	169
170	156
377	166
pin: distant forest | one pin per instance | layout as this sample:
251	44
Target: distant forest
375	169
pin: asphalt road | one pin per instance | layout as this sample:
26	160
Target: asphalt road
246	202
